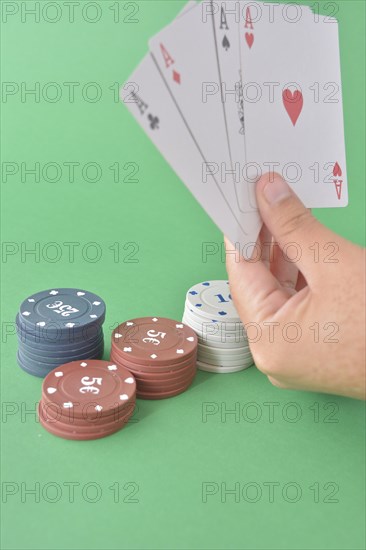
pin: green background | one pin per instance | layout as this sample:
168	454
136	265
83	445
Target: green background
168	451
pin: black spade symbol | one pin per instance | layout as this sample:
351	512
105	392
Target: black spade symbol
226	43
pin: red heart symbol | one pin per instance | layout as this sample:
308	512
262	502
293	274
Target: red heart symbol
337	170
293	102
249	37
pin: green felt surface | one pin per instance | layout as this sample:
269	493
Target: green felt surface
295	461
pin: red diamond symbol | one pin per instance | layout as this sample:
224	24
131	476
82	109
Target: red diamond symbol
176	77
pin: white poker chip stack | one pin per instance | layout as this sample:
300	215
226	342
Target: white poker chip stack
222	343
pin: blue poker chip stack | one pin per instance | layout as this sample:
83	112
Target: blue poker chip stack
58	326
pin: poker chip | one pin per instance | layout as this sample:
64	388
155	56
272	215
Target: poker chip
30	369
219	370
46	363
225	352
167	385
152	339
161	353
58	326
222	342
155	369
86	433
212	300
224	363
59	352
87	399
163	394
216	332
59	309
64	340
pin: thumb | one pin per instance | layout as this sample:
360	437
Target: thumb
292	225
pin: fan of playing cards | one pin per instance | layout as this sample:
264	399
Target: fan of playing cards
232	90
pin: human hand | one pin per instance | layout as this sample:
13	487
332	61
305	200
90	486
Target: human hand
310	312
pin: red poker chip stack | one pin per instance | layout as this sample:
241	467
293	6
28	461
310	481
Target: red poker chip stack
87	399
160	353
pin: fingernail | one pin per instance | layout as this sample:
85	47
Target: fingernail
276	190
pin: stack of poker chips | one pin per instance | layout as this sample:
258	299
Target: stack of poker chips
159	352
87	400
58	326
222	342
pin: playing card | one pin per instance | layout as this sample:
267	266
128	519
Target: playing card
194	84
293	103
226	17
147	97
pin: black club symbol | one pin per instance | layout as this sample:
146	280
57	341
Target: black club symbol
154	122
